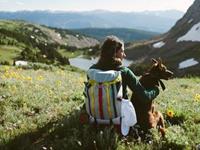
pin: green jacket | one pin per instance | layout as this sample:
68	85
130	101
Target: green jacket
129	80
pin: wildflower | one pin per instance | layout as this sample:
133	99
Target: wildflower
58	83
44	148
79	143
50	92
40	78
7	74
3	77
94	142
6	68
29	79
170	113
101	132
197	97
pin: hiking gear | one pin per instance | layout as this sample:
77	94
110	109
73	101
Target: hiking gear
103	95
130	80
129	118
104	102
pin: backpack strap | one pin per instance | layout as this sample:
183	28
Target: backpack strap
92	103
86	94
114	105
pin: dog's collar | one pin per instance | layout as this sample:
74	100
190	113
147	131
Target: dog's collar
161	84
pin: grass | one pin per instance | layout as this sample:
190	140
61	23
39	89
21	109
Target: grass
40	108
32	98
9	53
11	25
70	54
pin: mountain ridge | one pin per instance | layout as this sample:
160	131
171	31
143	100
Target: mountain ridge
169	46
126	34
102	19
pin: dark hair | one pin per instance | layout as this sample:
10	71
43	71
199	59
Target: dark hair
109	48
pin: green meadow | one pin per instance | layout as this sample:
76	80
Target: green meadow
40	107
9	53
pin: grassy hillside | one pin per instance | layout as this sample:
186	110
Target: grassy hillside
126	34
36	43
40	110
9	53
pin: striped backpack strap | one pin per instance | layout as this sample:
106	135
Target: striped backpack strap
103	95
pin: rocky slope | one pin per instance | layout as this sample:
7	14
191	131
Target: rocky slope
46	34
179	47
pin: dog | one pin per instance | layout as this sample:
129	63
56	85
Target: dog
147	116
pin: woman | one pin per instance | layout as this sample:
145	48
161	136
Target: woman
105	102
112	55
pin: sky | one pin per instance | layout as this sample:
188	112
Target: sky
84	5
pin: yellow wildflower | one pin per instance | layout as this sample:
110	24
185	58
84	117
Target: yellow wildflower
170	113
7	74
50	92
29	79
40	78
6	68
197	97
58	83
3	77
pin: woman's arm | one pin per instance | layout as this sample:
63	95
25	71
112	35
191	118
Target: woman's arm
134	84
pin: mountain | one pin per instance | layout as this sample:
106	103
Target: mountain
156	21
22	40
179	47
126	34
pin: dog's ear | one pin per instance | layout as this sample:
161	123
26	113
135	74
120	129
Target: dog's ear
154	61
159	62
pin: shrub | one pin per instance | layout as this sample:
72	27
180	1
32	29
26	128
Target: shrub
4	63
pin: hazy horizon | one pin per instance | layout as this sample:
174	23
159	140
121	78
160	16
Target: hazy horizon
91	5
48	10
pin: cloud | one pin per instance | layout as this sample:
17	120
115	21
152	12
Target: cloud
3	1
19	3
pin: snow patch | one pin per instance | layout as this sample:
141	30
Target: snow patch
159	44
190	20
59	36
32	37
36	31
192	35
187	63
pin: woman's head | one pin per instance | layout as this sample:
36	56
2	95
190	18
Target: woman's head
112	53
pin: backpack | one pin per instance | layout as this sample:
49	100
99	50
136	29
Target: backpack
103	92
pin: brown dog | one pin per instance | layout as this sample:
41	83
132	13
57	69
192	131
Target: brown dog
146	115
